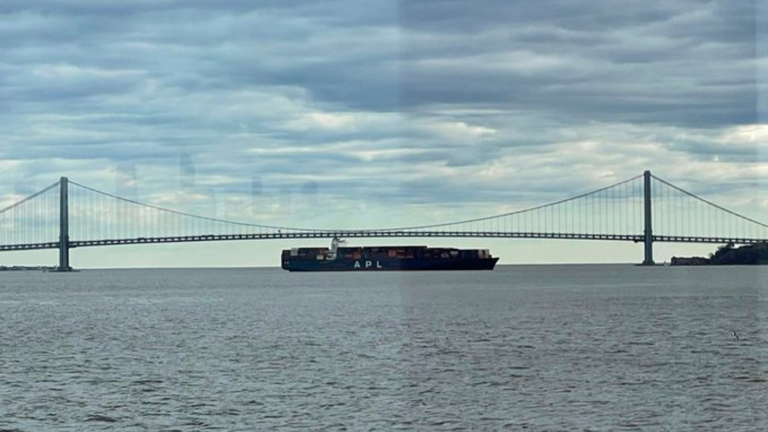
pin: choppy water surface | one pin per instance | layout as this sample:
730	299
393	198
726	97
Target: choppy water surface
539	347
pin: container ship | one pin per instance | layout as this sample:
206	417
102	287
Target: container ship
383	258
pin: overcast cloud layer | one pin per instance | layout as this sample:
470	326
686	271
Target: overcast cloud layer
420	110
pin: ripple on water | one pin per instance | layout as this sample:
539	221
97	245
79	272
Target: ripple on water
520	348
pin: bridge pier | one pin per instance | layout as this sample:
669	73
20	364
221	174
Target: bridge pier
648	238
64	226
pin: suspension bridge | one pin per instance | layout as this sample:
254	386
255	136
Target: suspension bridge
643	209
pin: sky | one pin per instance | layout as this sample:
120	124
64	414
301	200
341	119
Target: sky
329	113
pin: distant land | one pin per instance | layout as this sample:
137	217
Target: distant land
755	254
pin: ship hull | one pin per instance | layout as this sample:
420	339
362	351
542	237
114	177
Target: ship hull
410	264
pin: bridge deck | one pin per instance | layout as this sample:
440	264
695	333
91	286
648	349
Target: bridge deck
379	234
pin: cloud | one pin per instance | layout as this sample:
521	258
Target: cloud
465	106
684	63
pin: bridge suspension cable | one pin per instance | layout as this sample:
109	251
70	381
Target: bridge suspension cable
100	215
614	209
682	214
32	221
613	212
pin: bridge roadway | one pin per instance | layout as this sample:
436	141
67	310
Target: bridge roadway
638	238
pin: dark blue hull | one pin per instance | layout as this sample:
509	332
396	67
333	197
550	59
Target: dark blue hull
392	264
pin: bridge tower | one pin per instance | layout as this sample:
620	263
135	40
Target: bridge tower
647	204
64	226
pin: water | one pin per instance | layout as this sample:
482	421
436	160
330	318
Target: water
520	348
